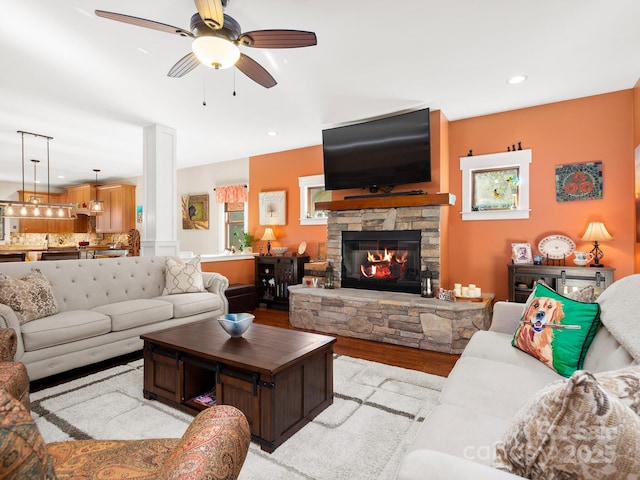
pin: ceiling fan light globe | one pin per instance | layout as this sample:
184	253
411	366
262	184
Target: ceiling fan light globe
215	52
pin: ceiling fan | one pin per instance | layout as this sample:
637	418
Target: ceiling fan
216	39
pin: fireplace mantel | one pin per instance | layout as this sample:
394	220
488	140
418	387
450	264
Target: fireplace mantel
389	202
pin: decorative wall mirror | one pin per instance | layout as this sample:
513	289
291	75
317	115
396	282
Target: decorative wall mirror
312	191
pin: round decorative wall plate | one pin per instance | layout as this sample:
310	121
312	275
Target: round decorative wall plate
302	247
556	247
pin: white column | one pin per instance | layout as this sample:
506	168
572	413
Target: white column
159	229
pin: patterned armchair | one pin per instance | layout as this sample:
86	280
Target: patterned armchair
214	447
13	375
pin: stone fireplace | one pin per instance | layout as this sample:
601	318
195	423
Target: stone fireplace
387	315
425	220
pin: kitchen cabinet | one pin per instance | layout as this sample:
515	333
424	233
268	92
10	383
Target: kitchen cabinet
81	196
50	225
119	214
563	279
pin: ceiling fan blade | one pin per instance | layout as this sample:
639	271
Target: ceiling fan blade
184	65
211	13
142	22
278	39
255	71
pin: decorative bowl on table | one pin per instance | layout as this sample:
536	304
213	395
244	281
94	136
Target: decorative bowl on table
235	324
279	250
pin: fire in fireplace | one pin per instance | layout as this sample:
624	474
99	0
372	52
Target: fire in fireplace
387	260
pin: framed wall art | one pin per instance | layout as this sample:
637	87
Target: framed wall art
195	212
579	181
273	208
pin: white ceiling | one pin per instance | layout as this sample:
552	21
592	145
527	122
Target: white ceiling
81	79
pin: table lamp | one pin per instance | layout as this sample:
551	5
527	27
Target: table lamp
596	232
268	236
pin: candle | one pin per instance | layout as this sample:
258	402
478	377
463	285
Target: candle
465	291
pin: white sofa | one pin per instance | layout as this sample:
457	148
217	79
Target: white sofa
104	305
492	380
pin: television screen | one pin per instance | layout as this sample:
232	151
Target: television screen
389	151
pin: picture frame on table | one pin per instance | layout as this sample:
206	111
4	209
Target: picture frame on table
521	253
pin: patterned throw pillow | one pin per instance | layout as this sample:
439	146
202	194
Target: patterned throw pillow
624	384
557	330
183	277
30	297
572	429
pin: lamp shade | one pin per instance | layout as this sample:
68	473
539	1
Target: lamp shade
596	232
215	52
268	234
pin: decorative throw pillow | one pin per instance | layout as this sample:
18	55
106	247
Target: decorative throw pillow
183	277
557	330
572	429
30	297
624	384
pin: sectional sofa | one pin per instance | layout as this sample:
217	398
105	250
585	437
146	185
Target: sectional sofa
494	385
101	307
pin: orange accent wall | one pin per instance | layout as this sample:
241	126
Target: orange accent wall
280	171
237	271
587	129
575	131
636	144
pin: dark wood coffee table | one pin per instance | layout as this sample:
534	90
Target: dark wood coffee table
280	379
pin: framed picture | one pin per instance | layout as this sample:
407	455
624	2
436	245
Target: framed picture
521	253
579	181
273	208
195	212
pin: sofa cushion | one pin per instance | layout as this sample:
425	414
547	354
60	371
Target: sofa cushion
187	304
183	277
572	429
64	327
30	297
557	330
492	387
23	452
135	313
463	432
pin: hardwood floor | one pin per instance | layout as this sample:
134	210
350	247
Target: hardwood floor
423	360
405	357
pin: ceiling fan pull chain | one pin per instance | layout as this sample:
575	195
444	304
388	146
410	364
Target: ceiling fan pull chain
204	91
234	82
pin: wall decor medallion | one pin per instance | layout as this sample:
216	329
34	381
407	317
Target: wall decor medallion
273	208
579	181
195	212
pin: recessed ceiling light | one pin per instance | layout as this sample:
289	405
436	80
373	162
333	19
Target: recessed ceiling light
517	79
272	133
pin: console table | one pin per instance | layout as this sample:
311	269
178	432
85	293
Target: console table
562	279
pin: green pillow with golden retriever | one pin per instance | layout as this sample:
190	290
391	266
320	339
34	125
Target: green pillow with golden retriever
557	330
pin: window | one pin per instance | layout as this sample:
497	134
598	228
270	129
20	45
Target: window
312	191
234	223
496	186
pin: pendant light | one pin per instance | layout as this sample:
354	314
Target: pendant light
34	206
96	206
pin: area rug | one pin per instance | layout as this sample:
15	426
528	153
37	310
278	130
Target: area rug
376	411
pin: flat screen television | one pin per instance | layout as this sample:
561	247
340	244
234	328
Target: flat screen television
385	152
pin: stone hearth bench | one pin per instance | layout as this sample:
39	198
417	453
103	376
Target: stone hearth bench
389	317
